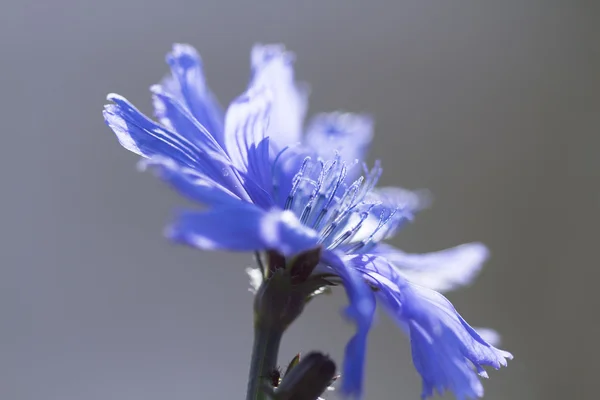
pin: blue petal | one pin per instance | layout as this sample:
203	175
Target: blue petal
254	168
246	143
144	137
441	270
172	114
187	84
191	183
272	66
361	311
441	367
348	134
284	168
243	228
444	346
139	134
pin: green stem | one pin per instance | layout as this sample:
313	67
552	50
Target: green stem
264	360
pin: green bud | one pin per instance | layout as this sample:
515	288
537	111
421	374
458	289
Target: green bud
308	379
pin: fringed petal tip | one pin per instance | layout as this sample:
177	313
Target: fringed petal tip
272	66
116	120
184	55
262	54
115	97
447	352
187	85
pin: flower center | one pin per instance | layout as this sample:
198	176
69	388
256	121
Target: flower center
347	216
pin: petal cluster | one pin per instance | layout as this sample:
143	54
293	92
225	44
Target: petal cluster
268	184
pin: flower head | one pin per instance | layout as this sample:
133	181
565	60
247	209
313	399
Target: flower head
270	188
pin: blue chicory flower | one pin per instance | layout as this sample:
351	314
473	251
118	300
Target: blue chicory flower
269	186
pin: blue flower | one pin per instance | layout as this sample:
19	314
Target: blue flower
268	186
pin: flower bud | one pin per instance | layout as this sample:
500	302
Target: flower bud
308	379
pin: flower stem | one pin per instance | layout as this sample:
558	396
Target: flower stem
278	302
264	360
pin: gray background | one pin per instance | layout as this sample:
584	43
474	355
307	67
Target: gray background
494	106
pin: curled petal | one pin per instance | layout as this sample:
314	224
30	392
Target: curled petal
444	346
243	228
360	311
441	270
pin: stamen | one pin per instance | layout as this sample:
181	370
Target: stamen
313	195
332	193
350	193
349	233
316	196
331	226
384	221
372	179
296	183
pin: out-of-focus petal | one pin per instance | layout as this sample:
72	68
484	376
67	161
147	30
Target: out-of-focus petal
412	200
489	335
441	270
272	67
243	228
444	346
360	310
393	207
187	84
348	134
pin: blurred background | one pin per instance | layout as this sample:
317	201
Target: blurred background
493	106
